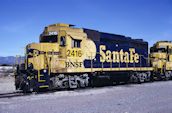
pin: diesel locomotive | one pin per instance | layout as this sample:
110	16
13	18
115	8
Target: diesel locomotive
69	57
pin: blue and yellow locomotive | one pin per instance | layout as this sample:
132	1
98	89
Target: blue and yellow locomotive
68	57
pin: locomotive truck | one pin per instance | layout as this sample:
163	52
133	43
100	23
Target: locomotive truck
69	57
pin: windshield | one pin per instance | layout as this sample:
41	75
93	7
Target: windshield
160	50
49	39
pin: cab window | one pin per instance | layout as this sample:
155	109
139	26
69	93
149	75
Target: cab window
76	43
62	41
160	50
49	39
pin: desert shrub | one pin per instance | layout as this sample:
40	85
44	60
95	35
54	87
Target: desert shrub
5	65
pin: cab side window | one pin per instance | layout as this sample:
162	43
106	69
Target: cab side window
62	41
76	43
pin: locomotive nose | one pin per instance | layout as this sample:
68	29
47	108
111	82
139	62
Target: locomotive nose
40	54
41	48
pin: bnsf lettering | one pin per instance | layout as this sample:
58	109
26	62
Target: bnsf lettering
115	56
73	64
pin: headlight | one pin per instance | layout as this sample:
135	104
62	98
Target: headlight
44	70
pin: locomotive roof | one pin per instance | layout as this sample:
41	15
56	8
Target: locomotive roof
102	36
97	36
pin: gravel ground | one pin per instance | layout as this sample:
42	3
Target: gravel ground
134	98
6	83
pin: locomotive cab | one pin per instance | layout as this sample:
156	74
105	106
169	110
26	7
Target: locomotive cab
60	51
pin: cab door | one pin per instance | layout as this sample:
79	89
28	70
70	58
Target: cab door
60	61
170	54
62	43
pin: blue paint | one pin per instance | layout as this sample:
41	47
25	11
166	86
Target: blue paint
116	43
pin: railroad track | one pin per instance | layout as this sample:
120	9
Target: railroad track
20	93
12	94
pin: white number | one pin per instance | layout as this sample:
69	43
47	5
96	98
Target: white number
52	33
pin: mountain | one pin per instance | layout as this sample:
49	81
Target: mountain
7	60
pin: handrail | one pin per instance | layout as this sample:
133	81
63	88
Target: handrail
15	63
119	63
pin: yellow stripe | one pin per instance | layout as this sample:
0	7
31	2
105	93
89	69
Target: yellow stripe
123	69
28	78
107	69
39	78
43	86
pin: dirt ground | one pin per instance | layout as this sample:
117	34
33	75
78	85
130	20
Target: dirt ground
6	83
153	97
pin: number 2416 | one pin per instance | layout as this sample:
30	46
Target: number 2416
74	53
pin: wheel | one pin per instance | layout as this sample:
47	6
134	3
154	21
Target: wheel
78	84
91	81
66	84
152	77
140	78
51	85
26	88
33	85
167	75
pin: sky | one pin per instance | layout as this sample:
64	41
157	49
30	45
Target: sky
22	21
